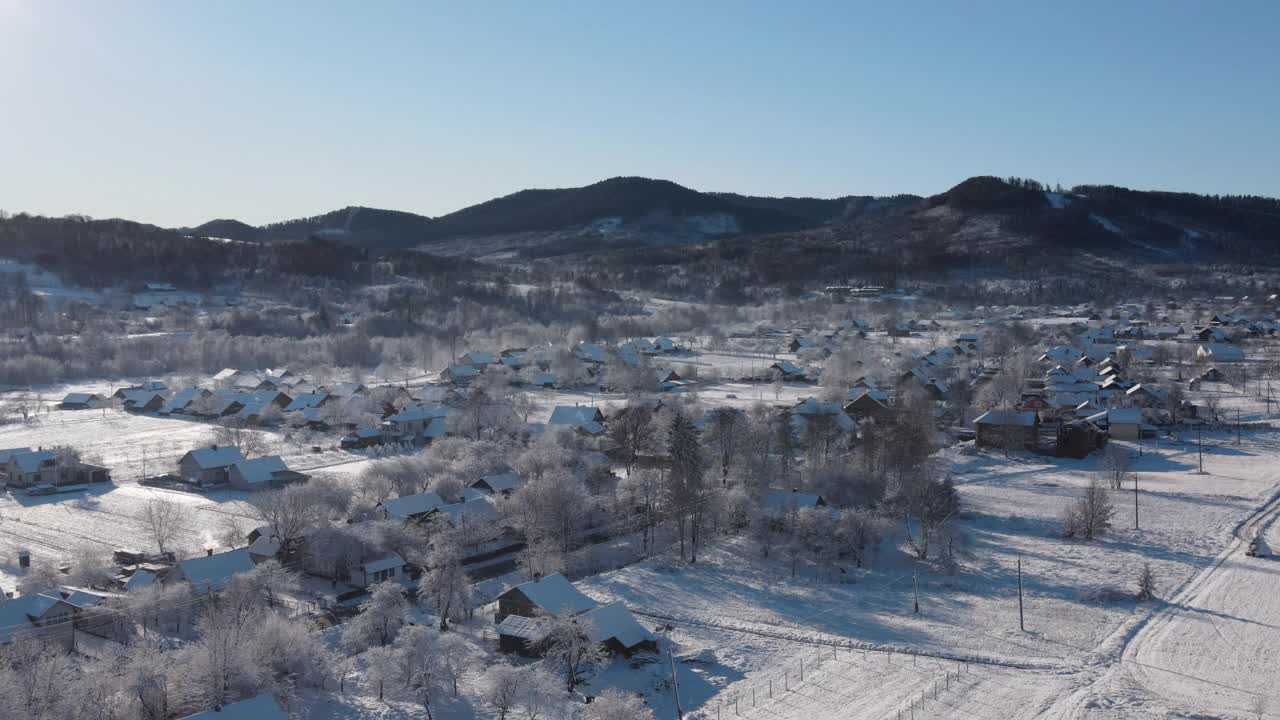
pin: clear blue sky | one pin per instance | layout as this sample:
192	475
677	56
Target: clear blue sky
178	112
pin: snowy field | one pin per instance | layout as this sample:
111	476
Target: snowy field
1089	650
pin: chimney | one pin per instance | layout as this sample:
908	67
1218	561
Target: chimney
215	446
208	552
537	577
24	558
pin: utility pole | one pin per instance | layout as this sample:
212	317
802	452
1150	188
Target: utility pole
1200	446
1022	625
1237	426
675	682
1135	501
915	591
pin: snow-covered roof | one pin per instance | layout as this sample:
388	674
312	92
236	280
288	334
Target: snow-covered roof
1007	418
29	462
480	357
1124	416
264	546
555	595
530	630
460	371
19	614
306	401
140	579
420	412
782	500
469	510
811	406
258	707
615	622
80	398
226	374
574	416
212	572
260	470
5	455
879	396
500	482
207	458
410	505
591	352
386	562
788	368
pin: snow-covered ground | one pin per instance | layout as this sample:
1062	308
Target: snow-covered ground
1089	649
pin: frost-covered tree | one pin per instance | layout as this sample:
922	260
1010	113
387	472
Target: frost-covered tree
1090	515
502	687
165	521
686	490
632	429
613	704
380	619
568	643
444	585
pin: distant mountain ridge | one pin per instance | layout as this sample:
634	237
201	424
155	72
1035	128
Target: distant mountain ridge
981	214
652	206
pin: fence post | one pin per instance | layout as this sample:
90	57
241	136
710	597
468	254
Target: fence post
801	669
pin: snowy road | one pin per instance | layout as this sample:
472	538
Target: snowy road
1211	648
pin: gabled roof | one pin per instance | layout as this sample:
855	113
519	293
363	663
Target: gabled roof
462	371
208	458
781	500
212	572
1007	418
140	579
226	374
615	622
5	455
260	470
591	353
474	509
575	415
19	614
879	396
420	412
787	367
500	482
555	595
307	401
480	357
80	398
410	505
29	462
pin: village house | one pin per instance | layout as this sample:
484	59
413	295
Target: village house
550	595
611	626
1006	428
209	466
46	616
584	419
1122	423
460	374
262	473
781	501
25	468
865	403
211	572
501	484
410	507
83	401
390	568
788	371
